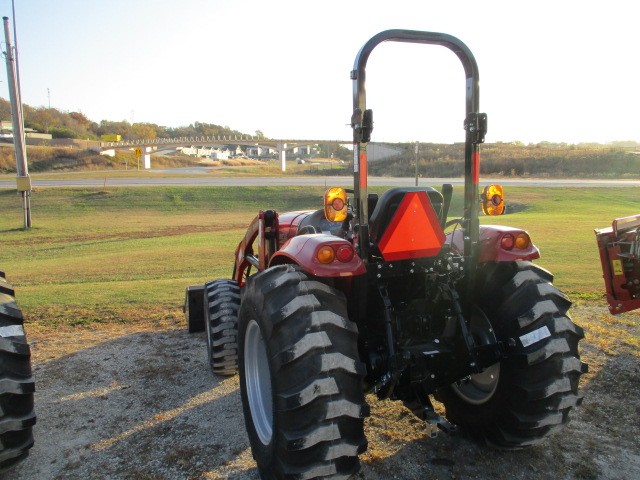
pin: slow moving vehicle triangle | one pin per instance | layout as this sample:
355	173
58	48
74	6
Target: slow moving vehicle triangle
414	231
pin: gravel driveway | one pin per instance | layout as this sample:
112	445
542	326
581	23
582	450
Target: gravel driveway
140	403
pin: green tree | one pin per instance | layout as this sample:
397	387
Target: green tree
143	131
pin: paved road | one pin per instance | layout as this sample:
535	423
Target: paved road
8	182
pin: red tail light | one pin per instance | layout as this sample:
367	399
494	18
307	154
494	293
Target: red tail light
345	253
507	242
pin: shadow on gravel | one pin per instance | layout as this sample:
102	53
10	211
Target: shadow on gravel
142	406
146	406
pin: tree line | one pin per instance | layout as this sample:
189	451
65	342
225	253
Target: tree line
76	125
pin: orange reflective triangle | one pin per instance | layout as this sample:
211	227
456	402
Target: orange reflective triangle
414	230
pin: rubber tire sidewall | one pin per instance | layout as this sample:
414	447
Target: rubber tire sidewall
15	364
487	420
303	322
221	367
263	454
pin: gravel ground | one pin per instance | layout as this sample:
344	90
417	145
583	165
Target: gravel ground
141	403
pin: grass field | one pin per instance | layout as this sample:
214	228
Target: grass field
128	253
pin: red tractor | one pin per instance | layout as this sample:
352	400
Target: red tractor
370	295
619	247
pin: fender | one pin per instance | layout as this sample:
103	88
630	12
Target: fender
490	244
302	250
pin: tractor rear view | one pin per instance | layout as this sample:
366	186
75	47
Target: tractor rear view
369	295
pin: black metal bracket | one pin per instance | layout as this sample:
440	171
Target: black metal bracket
362	124
269	221
386	385
434	421
447	194
476	125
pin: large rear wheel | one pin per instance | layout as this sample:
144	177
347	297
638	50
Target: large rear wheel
17	415
300	377
529	394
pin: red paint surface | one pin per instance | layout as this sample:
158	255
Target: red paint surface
476	168
302	250
363	170
489	245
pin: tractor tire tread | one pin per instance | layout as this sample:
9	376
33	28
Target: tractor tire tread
222	303
538	383
316	374
17	385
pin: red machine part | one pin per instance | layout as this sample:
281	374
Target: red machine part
303	250
288	225
245	249
321	255
619	247
498	244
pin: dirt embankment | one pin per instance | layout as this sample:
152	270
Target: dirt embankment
139	402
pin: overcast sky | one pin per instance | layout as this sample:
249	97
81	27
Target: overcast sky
559	71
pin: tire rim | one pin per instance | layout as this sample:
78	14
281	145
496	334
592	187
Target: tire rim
258	382
479	387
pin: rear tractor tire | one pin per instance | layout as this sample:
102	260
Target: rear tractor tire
300	377
528	395
221	304
17	415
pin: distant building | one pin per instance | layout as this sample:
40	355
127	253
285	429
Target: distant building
6	132
220	154
237	152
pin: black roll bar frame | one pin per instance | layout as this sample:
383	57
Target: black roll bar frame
475	124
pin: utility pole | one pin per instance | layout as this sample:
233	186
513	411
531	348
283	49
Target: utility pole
49	97
23	180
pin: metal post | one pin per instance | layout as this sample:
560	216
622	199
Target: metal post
417	147
23	180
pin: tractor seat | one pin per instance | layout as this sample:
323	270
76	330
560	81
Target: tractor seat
388	204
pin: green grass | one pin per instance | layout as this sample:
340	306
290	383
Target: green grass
127	249
561	223
136	249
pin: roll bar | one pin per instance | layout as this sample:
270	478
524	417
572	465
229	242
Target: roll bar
475	125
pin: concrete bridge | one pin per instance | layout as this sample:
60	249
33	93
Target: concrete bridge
158	145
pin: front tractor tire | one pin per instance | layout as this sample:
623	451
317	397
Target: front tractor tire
528	395
221	305
301	380
17	415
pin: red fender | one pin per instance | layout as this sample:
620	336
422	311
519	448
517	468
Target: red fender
302	251
490	244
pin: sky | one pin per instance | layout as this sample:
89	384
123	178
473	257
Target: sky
556	71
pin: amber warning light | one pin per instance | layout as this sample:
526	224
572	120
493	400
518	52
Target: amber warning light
493	200
335	204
